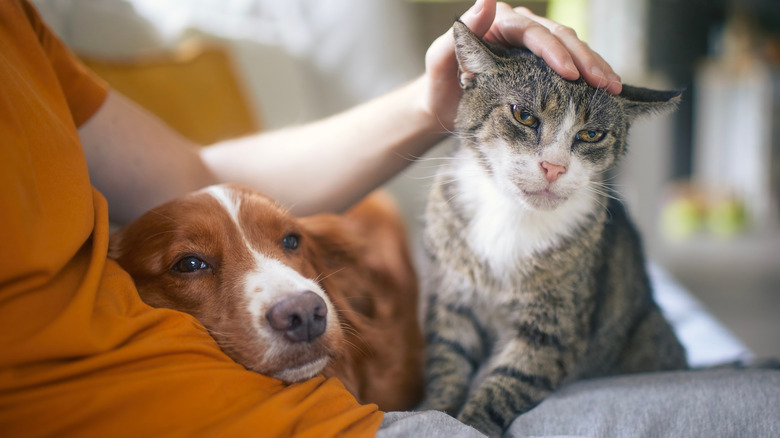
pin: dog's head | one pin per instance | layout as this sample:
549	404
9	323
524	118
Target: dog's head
245	268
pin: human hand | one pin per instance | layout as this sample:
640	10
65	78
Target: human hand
558	45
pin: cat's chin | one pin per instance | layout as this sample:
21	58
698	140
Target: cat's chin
545	199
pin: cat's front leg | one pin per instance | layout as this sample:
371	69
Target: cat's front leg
455	348
516	380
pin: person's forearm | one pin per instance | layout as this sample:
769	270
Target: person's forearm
330	164
136	160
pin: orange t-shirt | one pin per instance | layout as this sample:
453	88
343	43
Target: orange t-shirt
80	354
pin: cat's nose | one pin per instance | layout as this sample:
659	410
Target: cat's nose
552	171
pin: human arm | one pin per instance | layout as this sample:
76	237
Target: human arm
326	165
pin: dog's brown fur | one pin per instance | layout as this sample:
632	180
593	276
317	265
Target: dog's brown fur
359	259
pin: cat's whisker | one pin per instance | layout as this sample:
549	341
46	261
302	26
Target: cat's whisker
442	181
421	178
598	93
602	199
425	159
596	185
607	183
472	139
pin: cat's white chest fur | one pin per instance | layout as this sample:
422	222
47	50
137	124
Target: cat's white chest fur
502	231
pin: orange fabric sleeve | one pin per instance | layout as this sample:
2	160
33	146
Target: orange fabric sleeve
83	90
80	353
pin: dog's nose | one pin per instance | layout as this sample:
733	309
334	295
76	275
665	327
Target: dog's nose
301	317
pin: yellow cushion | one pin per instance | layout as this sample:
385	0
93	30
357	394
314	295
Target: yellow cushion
194	89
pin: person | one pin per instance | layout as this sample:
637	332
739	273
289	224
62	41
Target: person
81	354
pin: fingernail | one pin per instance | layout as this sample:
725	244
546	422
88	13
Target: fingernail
572	68
614	78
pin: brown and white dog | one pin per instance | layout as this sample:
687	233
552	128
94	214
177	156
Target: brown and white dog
284	296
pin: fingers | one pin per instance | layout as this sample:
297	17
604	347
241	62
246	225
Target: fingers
518	30
558	45
594	69
480	16
443	92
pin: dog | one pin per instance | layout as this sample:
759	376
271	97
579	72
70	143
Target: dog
288	297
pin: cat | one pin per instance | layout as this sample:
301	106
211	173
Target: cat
536	275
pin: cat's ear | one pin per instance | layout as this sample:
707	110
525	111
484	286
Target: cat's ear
473	56
644	101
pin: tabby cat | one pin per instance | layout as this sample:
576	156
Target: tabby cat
536	275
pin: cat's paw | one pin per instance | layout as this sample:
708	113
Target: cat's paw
437	404
483	419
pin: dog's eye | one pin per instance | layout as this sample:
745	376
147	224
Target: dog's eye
190	264
290	241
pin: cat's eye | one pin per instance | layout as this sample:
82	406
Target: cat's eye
524	117
590	136
189	264
291	241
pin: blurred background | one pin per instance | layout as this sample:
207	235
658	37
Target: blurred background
703	184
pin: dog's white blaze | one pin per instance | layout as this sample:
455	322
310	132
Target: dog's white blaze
269	282
272	281
229	202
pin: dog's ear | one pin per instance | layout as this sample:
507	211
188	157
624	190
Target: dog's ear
330	243
115	244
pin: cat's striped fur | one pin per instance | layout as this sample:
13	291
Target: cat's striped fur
535	279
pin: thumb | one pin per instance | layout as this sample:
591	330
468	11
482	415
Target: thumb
440	62
480	16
